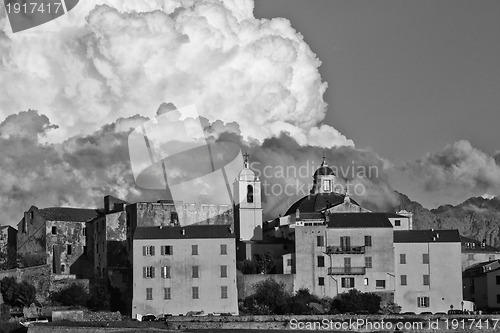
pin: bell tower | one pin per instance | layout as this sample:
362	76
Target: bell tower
247	204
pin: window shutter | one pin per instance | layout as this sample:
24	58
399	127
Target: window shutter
152	272
152	250
144	272
143	250
162	250
171	249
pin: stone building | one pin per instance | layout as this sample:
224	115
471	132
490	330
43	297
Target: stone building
481	284
56	236
8	246
475	252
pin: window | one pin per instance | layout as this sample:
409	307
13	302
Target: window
423	302
497	278
223	292
380	284
24	225
470	256
403	280
85	249
167	250
63	268
425	258
223	271
174	218
321	261
69	250
498	298
149	293
327	185
347	282
148	250
397	223
167	293
148	272
84	231
368	262
54	231
426	280
31	216
194	250
195	293
345	243
321	281
223	249
165	272
289	262
320	241
196	272
368	240
365	281
402	258
249	193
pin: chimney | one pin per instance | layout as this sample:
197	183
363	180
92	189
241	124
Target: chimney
183	232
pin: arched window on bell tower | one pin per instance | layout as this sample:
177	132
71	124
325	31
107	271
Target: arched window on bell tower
250	194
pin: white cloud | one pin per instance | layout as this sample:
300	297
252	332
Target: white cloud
110	59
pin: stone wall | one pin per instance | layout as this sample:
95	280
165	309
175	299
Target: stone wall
429	324
43	280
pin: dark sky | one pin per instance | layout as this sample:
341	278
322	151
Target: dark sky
405	77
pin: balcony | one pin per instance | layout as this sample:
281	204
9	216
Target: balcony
346	270
345	250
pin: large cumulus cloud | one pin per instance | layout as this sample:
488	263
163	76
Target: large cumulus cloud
82	169
107	59
459	169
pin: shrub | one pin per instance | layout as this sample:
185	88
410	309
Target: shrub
17	294
73	295
99	299
355	301
269	297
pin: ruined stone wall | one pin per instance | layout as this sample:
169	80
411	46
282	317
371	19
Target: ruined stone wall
65	248
39	276
31	236
154	214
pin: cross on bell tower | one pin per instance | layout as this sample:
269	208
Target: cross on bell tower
245	164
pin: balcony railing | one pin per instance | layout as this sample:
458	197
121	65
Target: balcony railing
346	270
345	250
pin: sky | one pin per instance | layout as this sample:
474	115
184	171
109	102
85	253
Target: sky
407	87
405	78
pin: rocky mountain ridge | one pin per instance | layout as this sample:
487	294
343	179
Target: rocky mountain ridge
477	217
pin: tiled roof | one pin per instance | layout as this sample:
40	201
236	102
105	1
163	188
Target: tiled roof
482	268
68	214
190	232
358	220
394	215
317	202
427	236
477	246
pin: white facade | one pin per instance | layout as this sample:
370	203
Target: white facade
428	276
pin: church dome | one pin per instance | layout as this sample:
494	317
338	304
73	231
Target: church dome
246	174
318	202
324	170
